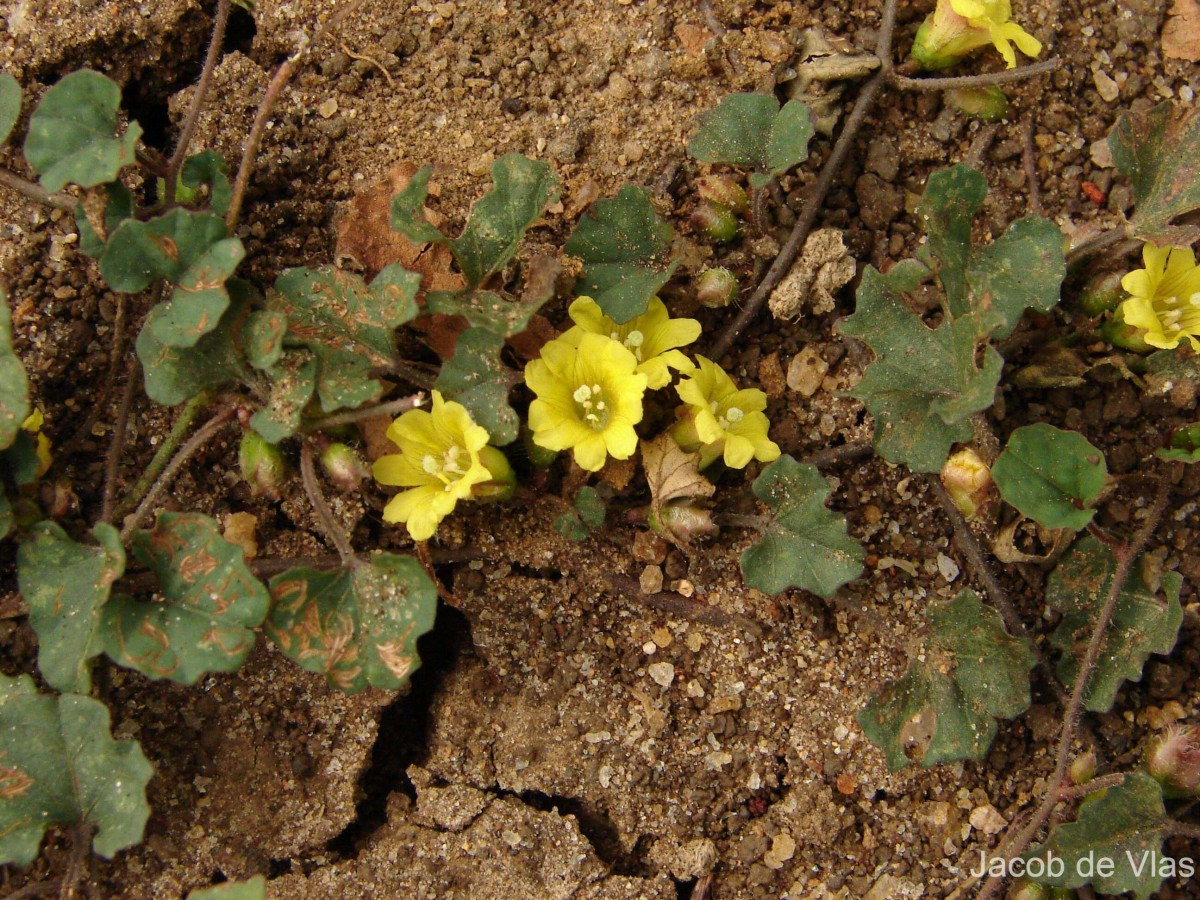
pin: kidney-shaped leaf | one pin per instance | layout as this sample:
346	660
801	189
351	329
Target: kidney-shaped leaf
357	626
66	585
1051	475
945	707
212	601
805	545
60	766
1142	622
73	133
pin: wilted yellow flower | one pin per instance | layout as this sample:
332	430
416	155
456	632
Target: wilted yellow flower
439	462
719	419
958	27
33	425
651	337
1164	297
589	397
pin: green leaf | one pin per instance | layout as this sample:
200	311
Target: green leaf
66	586
201	296
924	384
1172	366
523	189
1142	623
1185	445
14	385
174	375
256	887
483	309
212	603
588	513
951	200
347	325
626	253
475	377
60	766
1051	475
293	381
751	130
118	206
359	625
805	545
263	335
1021	270
10	105
209	169
1125	824
21	459
73	136
1160	152
7	519
971	673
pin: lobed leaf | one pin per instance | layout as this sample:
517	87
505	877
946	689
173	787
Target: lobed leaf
293	381
946	706
1125	824
805	545
1160	153
587	513
66	585
113	205
522	190
475	377
346	325
10	105
1051	475
209	169
484	309
358	626
174	375
60	766
1142	623
14	385
952	198
752	130
73	136
626	252
212	603
924	384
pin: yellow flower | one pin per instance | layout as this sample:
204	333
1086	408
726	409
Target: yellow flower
589	397
1164	297
651	337
33	425
720	419
958	27
439	462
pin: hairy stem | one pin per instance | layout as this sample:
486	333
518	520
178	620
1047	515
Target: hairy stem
183	424
1075	791
34	191
212	427
969	81
1125	560
117	448
332	528
201	94
391	408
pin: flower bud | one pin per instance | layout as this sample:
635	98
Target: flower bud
1127	337
344	467
1174	759
987	103
716	288
968	481
1083	767
503	482
538	455
715	221
1102	294
262	465
723	191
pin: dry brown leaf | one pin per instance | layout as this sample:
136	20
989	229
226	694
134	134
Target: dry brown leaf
673	474
365	235
374	434
1181	34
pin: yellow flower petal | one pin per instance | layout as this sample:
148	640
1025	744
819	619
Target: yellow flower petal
1164	297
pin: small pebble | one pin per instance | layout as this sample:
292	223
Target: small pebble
662	673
